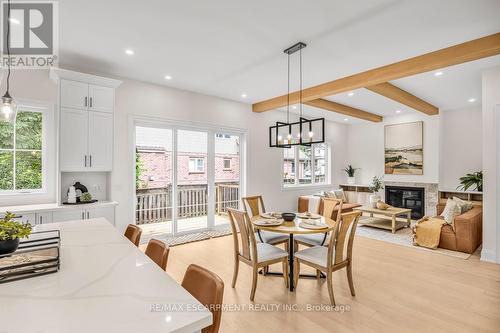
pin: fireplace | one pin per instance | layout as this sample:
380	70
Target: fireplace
407	197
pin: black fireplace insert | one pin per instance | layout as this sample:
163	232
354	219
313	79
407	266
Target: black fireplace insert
407	197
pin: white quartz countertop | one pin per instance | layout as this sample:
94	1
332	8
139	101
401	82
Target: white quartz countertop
53	207
105	284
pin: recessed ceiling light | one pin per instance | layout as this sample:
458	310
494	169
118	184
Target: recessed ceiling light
398	111
168	77
129	52
471	100
243	95
346	119
350	94
14	20
438	73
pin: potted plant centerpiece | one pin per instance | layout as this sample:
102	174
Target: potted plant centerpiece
11	232
351	180
375	187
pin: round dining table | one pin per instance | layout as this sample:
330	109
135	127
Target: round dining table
293	228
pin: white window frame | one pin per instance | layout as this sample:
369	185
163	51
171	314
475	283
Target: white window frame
296	183
196	164
47	132
224	159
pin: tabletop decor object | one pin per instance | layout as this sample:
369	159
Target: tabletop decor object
288	216
11	232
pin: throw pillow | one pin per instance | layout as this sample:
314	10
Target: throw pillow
465	206
451	210
339	194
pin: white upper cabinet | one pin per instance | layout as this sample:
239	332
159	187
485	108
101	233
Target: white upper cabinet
101	99
86	120
100	141
74	140
74	95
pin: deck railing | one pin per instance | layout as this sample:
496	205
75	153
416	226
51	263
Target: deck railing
155	205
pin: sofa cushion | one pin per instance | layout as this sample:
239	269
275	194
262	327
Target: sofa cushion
451	210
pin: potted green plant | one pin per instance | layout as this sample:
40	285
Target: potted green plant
470	180
350	174
11	232
375	187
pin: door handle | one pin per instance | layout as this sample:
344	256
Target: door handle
85	160
83	215
88	215
90	101
41	219
91	161
86	101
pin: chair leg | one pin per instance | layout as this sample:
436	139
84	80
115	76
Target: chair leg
254	283
329	280
296	272
349	278
318	274
285	271
235	272
265	270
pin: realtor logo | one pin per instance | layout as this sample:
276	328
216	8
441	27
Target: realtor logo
33	34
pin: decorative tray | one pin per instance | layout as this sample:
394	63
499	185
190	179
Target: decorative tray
38	255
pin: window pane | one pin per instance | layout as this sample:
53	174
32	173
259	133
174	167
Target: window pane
305	172
28	170
288	166
29	130
6	137
6	170
319	163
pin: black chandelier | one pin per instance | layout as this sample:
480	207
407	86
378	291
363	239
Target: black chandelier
303	132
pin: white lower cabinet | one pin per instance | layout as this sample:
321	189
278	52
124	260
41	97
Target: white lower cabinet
44	217
84	214
25	218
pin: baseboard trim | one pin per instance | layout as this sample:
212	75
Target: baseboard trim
488	256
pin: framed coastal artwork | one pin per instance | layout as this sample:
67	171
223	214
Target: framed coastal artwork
404	149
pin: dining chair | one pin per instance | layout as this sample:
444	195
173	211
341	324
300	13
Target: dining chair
158	252
133	233
329	205
254	206
336	256
208	288
251	252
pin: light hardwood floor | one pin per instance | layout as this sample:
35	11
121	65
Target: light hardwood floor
398	289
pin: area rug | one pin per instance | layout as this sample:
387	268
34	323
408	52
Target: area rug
190	238
403	237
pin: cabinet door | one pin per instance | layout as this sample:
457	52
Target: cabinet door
102	99
100	141
44	218
68	215
25	218
74	95
74	140
106	212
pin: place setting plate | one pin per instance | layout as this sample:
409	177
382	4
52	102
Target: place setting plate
271	215
312	224
308	215
268	222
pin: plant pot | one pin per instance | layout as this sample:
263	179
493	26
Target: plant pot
374	198
9	246
351	180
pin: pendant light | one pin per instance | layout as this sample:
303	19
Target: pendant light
304	132
8	109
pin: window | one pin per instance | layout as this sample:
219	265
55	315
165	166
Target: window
222	136
305	165
196	165
21	153
227	164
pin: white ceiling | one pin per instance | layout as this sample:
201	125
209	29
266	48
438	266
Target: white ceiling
229	47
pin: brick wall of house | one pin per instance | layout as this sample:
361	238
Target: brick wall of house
157	168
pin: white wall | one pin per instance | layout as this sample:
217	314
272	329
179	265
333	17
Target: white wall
491	156
366	149
460	145
263	163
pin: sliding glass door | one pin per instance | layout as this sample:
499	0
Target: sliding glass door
186	178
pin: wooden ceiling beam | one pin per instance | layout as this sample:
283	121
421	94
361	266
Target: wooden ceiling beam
458	54
389	90
344	109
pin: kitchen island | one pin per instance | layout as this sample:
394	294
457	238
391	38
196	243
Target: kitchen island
105	284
